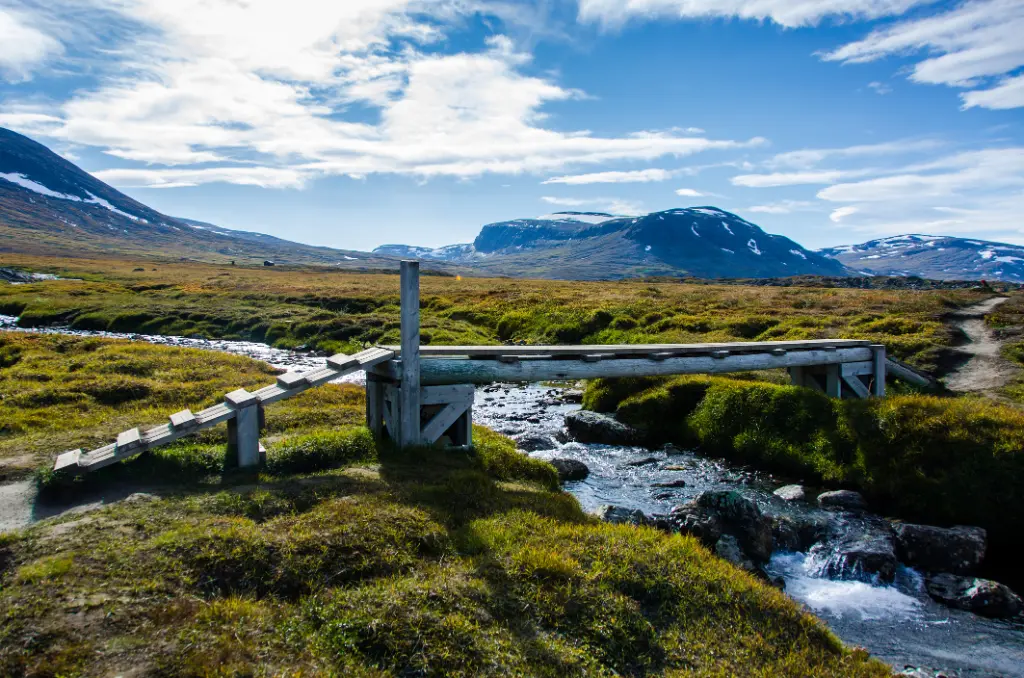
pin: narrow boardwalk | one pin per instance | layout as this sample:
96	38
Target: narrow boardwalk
986	370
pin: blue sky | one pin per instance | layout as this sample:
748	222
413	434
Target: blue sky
358	123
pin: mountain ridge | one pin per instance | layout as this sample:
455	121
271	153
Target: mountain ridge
932	256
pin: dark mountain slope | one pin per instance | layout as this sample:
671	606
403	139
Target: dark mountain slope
939	258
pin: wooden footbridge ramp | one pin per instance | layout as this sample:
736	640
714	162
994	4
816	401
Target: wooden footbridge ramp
417	395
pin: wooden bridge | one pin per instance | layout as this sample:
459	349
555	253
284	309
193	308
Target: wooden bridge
417	395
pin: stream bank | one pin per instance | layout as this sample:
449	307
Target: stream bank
896	621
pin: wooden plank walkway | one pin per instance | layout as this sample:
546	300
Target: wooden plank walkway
134	442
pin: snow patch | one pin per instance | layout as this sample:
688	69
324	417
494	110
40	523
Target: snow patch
694	229
23	181
726	249
647	249
752	245
798	253
986	254
726	227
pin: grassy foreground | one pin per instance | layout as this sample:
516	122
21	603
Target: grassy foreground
346	558
935	460
332	310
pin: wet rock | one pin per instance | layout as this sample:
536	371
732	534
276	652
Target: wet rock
139	497
570	469
533	443
677	467
786	536
620	515
592	427
663	495
671	449
980	596
642	461
574	396
714	513
672	483
728	548
958	550
790	493
863	554
842	499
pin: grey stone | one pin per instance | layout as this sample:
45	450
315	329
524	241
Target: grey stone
672	483
980	596
843	499
786	536
570	469
620	515
728	548
958	550
572	396
791	493
592	427
642	461
533	443
861	555
715	513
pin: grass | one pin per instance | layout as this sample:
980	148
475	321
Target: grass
1008	323
923	458
343	557
332	310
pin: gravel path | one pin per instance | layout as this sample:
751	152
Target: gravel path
985	370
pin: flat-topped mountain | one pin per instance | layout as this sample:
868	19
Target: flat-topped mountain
704	242
929	256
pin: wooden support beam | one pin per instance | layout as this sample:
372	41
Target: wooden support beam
437	371
901	371
68	462
374	405
409	397
482	352
390	411
796	376
833	382
879	370
441	422
857	386
184	420
244	428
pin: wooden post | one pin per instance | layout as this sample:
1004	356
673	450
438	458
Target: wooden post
244	428
409	396
796	376
879	366
833	384
374	404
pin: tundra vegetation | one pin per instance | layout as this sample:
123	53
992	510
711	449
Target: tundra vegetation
344	557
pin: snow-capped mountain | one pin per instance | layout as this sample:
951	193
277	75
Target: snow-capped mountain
703	242
937	257
50	206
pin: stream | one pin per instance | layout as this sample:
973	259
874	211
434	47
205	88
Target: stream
898	623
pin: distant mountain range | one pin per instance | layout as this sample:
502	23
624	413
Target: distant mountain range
704	242
49	206
929	256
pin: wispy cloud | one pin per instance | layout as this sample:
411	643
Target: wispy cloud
23	47
630	177
810	157
965	46
782	207
776	179
879	87
688	193
606	205
840	213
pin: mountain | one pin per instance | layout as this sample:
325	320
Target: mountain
704	242
929	256
50	206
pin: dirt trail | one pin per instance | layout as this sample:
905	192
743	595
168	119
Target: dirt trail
985	370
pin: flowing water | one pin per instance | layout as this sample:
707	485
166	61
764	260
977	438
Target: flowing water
896	622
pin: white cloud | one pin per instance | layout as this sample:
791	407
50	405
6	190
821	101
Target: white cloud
782	207
266	177
630	177
879	87
607	205
270	84
23	47
789	13
1009	93
966	45
839	213
809	157
688	193
776	179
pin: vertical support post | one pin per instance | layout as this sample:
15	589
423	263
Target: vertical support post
374	404
796	376
409	396
878	360
833	381
244	428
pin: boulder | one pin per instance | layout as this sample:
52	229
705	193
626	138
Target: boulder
533	443
980	596
728	548
572	396
791	493
592	427
864	554
620	515
672	483
570	469
786	536
641	461
958	550
842	499
716	512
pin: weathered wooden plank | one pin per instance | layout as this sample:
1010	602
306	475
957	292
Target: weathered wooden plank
217	414
68	462
878	373
390	411
409	395
321	376
858	369
468	371
833	382
719	355
343	362
130	439
778	351
240	398
244	435
592	358
101	458
441	422
856	385
374	405
291	380
442	395
184	420
903	372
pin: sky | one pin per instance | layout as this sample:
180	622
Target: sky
356	123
